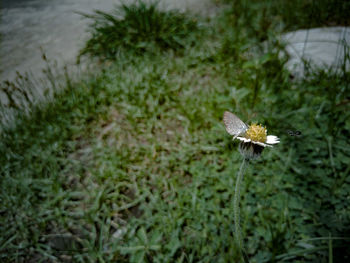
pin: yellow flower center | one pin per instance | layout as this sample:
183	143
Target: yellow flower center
256	133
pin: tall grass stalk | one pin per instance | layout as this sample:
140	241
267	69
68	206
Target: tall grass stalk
238	234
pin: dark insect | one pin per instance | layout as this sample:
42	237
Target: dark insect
294	133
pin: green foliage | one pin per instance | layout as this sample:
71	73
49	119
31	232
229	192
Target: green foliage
134	165
138	28
292	14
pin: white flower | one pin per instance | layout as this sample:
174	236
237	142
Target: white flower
253	138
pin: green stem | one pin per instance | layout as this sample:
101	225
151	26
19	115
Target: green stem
236	200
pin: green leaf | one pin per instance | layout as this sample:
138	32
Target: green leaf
141	234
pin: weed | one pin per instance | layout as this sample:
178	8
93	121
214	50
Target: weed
138	28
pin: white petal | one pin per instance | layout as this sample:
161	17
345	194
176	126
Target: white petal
243	139
261	144
272	139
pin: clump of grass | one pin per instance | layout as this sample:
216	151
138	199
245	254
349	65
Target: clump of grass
139	27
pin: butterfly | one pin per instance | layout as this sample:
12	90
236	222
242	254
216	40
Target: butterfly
234	125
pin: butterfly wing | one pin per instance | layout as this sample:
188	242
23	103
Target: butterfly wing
233	124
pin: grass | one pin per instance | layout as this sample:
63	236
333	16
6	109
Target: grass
134	164
138	27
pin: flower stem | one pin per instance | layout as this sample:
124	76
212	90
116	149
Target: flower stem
236	200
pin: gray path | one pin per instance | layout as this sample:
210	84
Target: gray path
32	27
